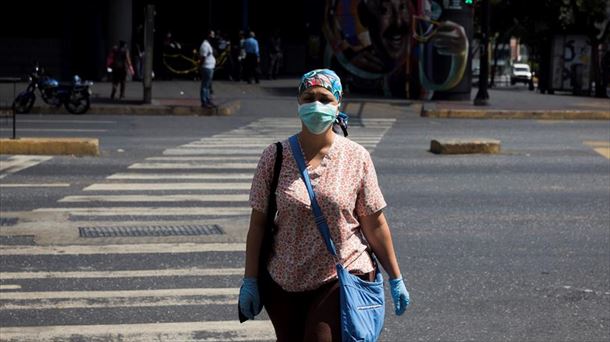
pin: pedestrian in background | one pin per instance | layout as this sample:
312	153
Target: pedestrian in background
208	62
275	55
297	284
252	58
139	53
119	64
241	58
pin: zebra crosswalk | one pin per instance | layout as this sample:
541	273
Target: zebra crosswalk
161	290
205	179
17	163
127	292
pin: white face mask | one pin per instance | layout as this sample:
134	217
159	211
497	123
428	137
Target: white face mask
317	116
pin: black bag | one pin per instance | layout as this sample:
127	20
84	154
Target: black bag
267	243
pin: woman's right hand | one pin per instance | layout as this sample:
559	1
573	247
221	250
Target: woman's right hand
249	299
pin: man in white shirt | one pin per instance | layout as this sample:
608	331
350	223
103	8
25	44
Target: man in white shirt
208	62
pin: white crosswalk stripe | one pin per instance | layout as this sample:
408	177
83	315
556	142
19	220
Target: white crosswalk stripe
213	169
19	162
216	331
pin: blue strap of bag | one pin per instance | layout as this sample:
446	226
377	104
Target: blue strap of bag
318	215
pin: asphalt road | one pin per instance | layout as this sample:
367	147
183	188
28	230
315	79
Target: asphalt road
508	247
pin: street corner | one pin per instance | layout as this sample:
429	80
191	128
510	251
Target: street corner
465	146
51	146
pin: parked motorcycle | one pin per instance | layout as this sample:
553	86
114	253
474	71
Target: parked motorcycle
75	95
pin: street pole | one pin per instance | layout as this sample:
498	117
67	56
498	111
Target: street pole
149	26
482	98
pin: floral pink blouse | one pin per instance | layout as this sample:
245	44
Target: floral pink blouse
346	188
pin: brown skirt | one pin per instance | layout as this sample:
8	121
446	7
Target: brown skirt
304	316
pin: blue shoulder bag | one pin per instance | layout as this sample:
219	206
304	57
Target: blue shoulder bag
362	303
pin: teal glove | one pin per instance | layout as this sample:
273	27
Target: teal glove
400	295
249	298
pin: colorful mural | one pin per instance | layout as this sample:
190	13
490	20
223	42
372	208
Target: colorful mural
384	44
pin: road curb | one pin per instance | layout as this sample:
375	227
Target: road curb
226	109
51	146
474	146
515	114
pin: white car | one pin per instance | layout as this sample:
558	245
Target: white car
520	72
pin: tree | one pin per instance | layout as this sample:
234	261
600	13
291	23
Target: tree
535	23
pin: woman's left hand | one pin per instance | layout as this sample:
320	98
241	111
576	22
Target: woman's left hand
400	295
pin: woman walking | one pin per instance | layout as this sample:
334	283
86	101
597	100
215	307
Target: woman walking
297	283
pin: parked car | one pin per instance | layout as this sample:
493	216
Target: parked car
520	72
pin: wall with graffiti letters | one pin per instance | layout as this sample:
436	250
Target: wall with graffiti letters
571	62
389	46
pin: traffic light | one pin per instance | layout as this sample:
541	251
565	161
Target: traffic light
468	2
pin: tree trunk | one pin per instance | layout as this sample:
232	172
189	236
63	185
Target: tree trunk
494	68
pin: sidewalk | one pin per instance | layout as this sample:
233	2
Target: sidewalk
181	97
520	103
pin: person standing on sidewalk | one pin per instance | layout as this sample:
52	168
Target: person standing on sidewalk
208	62
275	55
120	63
252	58
298	283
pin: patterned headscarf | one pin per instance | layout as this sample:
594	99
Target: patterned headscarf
329	80
325	78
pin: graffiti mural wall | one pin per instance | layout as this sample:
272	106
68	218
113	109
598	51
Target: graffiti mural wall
571	63
389	46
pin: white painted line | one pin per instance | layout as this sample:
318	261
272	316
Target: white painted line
212	151
120	294
9	287
20	162
182	272
122	298
235	140
118	302
221	144
167	186
211	331
70	121
124	249
37	185
224	158
153	198
224	166
54	130
152	211
225	176
272	120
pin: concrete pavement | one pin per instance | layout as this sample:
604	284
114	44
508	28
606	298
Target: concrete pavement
520	103
181	97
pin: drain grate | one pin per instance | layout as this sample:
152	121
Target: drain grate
136	231
17	240
8	221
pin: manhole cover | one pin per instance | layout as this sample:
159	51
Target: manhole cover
136	231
